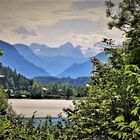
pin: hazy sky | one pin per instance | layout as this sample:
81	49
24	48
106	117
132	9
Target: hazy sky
54	22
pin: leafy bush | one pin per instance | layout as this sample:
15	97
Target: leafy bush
3	102
111	110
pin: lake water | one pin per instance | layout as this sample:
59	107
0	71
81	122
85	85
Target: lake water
42	107
42	120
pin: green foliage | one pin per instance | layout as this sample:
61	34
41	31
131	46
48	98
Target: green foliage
15	128
127	19
58	90
12	82
18	86
74	82
1	52
36	90
111	110
3	102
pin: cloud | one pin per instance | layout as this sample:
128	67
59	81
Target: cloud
54	22
84	5
85	40
24	32
78	26
1	31
89	4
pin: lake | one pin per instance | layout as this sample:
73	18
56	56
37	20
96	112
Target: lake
42	107
42	120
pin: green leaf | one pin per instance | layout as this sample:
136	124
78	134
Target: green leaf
128	88
119	119
127	72
119	135
139	80
1	52
73	116
135	111
133	124
127	66
51	137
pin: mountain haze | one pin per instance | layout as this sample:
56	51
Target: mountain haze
13	59
57	64
96	48
41	60
28	54
67	50
78	70
51	61
83	69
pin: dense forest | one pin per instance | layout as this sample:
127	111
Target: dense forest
80	81
111	108
18	86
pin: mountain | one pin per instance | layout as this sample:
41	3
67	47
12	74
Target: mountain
63	61
28	54
13	59
53	64
78	70
83	69
66	50
57	64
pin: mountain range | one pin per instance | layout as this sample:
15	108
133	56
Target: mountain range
40	60
13	59
67	50
82	69
53	62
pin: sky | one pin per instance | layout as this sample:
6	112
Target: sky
55	22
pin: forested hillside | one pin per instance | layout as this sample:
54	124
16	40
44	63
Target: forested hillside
10	79
66	80
18	86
